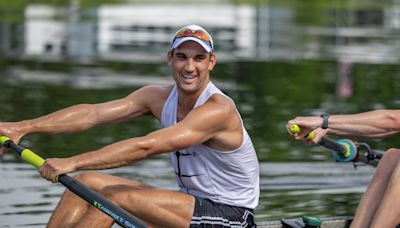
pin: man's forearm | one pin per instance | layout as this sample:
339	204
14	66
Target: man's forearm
73	119
374	124
112	156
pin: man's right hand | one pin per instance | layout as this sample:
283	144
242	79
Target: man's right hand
307	124
11	130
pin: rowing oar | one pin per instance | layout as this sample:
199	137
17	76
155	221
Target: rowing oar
120	216
345	150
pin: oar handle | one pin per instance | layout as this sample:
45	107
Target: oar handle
345	150
26	154
121	216
295	129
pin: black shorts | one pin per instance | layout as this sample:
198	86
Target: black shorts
208	214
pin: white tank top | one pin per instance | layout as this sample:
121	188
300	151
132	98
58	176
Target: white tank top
228	177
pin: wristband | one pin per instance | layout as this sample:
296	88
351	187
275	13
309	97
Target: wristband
325	118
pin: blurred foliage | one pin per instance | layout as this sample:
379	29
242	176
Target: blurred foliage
271	93
315	4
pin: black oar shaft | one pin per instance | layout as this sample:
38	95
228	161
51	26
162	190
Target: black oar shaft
120	216
332	145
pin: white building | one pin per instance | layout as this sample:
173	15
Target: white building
43	33
129	29
143	32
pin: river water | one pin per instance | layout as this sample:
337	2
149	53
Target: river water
287	189
296	179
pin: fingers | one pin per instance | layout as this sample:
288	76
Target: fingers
319	133
308	125
4	150
298	131
315	136
50	171
307	135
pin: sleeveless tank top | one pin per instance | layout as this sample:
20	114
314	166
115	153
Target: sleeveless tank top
228	177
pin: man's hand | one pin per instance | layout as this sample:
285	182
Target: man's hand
11	130
308	125
53	167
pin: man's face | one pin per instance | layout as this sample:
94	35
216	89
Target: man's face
191	66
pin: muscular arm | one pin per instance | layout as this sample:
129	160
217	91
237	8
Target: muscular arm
190	131
373	124
83	116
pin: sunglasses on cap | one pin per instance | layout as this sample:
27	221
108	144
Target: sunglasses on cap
187	32
199	34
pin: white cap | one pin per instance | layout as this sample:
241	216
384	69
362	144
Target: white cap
194	33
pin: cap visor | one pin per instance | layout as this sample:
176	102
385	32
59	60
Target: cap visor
179	41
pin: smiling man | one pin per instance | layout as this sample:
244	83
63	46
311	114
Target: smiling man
212	155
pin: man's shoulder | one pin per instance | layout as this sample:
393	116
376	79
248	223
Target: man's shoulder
150	95
221	100
157	89
154	91
219	104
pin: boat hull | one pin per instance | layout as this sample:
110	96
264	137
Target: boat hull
331	222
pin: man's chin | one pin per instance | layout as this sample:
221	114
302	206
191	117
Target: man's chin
188	88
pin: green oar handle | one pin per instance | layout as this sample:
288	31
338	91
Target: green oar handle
345	150
121	216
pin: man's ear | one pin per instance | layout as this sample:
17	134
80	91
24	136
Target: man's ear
212	61
169	56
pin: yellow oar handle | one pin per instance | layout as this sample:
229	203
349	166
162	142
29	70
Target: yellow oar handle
295	129
32	158
26	154
4	139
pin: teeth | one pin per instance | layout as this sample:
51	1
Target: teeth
188	76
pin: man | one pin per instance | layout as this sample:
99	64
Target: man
379	207
213	157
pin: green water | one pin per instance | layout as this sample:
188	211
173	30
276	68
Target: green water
269	94
296	179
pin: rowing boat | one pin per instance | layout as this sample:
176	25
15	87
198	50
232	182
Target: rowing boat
330	222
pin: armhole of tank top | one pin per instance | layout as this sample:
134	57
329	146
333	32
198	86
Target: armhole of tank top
241	122
164	106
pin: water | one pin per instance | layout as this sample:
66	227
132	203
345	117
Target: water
308	57
288	189
296	179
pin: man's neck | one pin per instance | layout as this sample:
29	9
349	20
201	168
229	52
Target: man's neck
186	101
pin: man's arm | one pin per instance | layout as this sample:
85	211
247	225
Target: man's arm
373	124
200	125
83	116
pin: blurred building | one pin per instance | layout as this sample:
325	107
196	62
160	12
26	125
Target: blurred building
44	35
135	31
143	32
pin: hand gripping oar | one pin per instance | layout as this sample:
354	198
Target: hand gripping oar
345	150
120	216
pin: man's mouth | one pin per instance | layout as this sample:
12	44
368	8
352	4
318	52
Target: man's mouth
185	76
